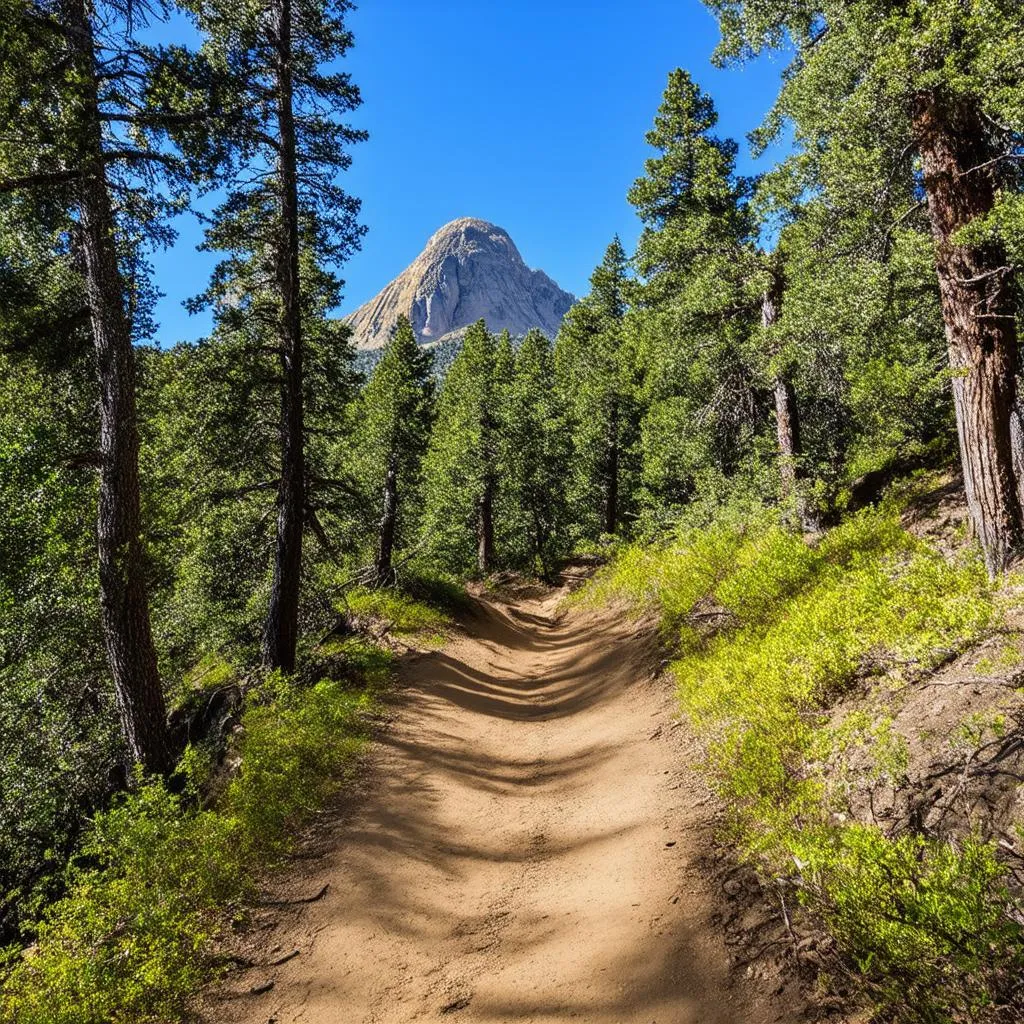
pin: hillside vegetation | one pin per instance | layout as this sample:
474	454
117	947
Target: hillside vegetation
210	552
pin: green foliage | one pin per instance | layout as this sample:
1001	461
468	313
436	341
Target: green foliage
155	876
771	630
596	384
925	922
295	750
461	461
394	416
533	461
402	613
125	944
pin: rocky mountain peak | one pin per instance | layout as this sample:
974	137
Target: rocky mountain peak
470	269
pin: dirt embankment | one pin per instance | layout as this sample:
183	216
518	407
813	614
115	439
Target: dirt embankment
530	845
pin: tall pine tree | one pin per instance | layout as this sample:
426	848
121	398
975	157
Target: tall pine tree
285	214
461	467
394	429
86	114
891	101
596	384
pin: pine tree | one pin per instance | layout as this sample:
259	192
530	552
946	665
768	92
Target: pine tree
888	97
393	434
692	314
460	469
86	115
535	461
287	137
596	386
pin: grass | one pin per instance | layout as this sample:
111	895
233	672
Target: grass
158	877
769	632
400	612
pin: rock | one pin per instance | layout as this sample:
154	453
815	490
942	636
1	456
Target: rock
469	270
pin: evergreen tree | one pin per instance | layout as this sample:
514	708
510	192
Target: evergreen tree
693	314
460	470
887	99
393	434
596	386
86	111
535	461
284	208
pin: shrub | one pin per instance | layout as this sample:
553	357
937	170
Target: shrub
156	875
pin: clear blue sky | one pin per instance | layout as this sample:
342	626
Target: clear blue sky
530	114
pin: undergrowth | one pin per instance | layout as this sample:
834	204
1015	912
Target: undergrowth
159	875
401	613
769	631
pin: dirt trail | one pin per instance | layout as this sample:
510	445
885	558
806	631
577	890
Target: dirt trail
524	850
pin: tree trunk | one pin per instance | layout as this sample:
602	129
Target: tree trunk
282	627
611	505
485	528
978	310
787	421
124	602
1017	446
386	547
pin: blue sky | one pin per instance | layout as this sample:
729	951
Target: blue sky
530	114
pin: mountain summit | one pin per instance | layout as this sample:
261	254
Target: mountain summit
470	269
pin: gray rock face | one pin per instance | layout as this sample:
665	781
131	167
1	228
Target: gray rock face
469	270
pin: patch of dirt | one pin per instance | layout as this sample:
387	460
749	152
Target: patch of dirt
530	845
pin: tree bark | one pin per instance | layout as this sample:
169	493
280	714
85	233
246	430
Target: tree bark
611	504
787	420
282	627
485	528
1017	446
979	314
124	602
389	516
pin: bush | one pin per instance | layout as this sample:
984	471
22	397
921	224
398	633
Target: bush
124	945
156	875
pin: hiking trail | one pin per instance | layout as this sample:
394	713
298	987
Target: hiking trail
524	846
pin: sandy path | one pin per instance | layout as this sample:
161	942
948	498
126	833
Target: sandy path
524	851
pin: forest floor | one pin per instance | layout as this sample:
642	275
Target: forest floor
529	842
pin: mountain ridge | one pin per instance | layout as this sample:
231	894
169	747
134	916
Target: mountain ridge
470	269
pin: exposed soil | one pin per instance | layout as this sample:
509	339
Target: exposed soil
530	844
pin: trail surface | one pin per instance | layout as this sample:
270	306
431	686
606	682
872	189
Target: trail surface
525	849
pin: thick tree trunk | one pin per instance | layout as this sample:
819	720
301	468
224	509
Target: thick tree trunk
978	309
282	627
388	520
124	602
787	420
611	498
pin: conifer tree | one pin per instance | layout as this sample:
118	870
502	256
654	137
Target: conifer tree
693	314
393	434
887	99
86	113
273	61
596	385
460	470
535	460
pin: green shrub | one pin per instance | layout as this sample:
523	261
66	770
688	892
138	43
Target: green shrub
124	944
925	922
296	751
156	876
